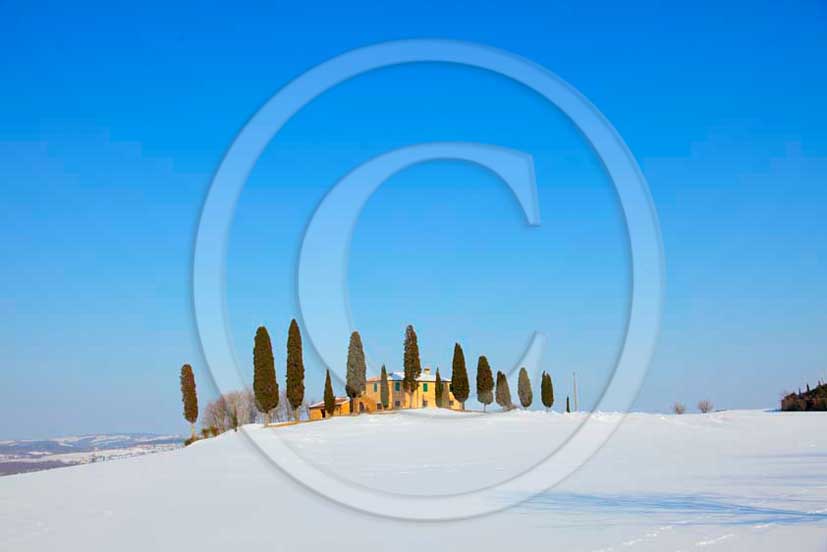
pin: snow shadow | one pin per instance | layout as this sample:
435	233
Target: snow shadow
792	471
692	509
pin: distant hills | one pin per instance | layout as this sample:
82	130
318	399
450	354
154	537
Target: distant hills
18	456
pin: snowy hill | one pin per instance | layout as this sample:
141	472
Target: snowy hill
739	480
34	455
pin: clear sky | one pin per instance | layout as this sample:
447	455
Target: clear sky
114	118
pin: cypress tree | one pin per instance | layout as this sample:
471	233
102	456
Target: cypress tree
547	391
459	376
568	406
524	388
384	389
329	397
356	368
485	383
265	386
503	392
411	364
295	368
189	396
438	390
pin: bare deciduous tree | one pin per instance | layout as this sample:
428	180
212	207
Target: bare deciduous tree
231	410
215	415
705	406
282	411
678	408
241	407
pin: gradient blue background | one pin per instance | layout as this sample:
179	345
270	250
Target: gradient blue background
114	118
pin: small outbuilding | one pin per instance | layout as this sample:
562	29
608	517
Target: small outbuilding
317	411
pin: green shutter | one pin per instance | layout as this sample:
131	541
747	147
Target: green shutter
396	386
374	387
425	387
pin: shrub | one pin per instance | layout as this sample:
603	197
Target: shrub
705	406
812	399
678	408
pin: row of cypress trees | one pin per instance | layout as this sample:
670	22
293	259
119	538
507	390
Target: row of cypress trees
266	387
524	391
489	389
356	378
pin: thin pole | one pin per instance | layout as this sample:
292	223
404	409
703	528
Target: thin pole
574	394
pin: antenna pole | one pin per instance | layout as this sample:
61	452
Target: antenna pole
574	378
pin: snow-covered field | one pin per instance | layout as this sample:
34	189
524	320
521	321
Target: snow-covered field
739	480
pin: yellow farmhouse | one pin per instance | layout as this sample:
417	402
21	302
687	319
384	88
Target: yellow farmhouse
371	400
423	397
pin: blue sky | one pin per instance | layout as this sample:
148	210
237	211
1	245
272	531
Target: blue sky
115	117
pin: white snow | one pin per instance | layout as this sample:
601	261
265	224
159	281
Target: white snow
739	480
29	455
